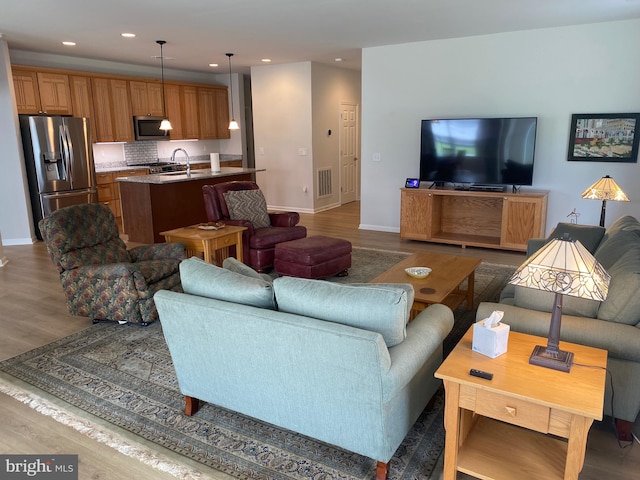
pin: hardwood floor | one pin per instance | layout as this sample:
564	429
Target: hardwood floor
33	313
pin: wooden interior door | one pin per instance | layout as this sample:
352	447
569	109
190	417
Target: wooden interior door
349	147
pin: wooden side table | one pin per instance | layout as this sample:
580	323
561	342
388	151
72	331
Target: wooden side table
214	245
508	427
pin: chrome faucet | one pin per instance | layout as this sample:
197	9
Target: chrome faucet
173	159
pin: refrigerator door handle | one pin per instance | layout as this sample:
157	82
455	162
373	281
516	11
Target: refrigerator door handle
67	151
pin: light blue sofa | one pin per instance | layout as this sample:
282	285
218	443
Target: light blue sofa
335	362
613	325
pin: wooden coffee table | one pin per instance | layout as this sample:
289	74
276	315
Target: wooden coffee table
214	245
443	283
512	426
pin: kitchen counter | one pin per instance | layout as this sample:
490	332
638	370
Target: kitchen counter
181	176
163	201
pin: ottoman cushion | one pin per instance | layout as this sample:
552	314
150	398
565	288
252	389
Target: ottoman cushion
313	257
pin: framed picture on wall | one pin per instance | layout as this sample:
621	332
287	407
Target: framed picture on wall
604	137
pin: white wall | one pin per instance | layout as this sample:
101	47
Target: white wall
550	73
294	106
330	87
282	125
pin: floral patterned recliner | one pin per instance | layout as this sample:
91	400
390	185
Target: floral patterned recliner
101	279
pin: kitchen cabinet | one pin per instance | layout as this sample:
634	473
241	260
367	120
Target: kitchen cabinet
112	109
472	218
190	117
82	101
222	113
109	190
146	98
42	93
174	111
207	113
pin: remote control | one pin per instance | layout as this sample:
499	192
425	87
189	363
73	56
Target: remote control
479	373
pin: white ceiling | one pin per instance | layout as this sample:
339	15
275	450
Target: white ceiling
199	32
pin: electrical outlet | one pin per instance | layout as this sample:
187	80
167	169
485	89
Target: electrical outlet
302	151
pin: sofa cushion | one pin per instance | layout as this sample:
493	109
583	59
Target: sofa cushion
589	235
378	308
542	301
206	280
622	304
614	246
248	205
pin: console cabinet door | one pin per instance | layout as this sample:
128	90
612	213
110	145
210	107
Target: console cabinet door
415	214
522	218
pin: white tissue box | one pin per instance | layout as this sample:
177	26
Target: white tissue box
492	341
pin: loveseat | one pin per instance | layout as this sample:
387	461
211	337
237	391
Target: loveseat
335	362
613	325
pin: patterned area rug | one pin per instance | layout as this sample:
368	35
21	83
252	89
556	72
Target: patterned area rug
124	375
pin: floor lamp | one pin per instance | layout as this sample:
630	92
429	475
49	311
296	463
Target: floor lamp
605	189
564	267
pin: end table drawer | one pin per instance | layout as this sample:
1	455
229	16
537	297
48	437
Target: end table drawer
512	410
225	241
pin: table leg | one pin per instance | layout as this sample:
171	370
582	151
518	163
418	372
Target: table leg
452	428
470	285
209	254
239	247
576	446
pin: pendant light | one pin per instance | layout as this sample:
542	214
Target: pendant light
233	125
165	124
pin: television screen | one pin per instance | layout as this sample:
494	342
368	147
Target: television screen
487	151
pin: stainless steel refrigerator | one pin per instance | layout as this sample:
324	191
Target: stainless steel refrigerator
59	163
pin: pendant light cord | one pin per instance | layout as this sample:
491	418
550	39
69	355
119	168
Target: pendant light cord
164	102
233	117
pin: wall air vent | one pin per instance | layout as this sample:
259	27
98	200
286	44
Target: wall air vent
324	188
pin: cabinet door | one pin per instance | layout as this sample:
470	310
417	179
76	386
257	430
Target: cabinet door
154	96
174	111
222	112
522	218
207	113
55	95
25	84
122	116
190	120
81	100
415	214
102	110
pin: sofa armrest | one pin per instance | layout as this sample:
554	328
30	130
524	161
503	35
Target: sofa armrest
284	219
620	340
157	251
425	335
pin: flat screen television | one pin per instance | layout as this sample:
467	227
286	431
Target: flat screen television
478	151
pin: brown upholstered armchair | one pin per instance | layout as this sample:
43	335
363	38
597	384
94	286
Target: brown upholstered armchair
101	279
264	230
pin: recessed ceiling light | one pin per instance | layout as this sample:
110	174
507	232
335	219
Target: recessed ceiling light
128	35
266	60
69	44
213	65
338	59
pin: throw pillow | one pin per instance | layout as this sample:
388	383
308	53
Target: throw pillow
612	248
206	280
375	308
248	205
237	266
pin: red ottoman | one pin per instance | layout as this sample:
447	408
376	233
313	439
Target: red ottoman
313	257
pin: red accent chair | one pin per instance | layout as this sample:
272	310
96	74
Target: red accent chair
258	243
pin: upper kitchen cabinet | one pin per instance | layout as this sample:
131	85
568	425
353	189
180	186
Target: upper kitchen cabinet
146	98
38	93
190	117
174	111
112	109
213	104
82	100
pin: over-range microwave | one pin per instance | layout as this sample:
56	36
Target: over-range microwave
148	128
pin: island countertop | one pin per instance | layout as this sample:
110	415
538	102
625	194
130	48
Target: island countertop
181	176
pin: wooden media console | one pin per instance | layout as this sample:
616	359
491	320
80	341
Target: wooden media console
473	218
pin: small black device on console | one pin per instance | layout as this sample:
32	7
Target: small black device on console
412	183
481	374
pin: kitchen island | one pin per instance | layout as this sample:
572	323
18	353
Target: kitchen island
163	201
